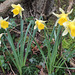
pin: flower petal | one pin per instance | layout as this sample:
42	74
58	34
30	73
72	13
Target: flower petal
22	9
65	32
1	35
42	21
0	43
71	36
6	18
56	22
65	24
74	20
35	26
1	18
63	12
70	11
20	13
13	5
57	15
14	15
39	30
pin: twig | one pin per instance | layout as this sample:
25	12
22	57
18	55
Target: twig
44	6
70	5
68	69
59	3
71	62
11	69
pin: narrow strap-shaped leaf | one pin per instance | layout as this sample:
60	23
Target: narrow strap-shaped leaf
64	67
21	43
10	55
63	60
48	47
29	45
55	48
9	38
39	49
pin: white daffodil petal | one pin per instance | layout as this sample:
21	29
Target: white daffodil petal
65	24
14	15
6	18
70	11
74	20
42	21
6	29
0	43
36	19
35	26
10	23
13	5
72	36
19	5
56	22
22	9
61	10
11	10
65	32
1	35
39	30
1	18
57	15
20	13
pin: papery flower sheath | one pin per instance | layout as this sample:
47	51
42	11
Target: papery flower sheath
17	9
63	17
0	38
39	24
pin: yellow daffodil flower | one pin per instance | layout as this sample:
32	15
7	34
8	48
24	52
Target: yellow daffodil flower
3	23
39	24
17	10
62	17
69	27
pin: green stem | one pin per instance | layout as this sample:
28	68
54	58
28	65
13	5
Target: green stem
3	69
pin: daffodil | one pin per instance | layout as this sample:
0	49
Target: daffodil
69	27
17	10
63	17
3	23
39	24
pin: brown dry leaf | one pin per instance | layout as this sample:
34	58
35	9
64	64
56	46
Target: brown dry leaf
35	49
72	63
42	73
